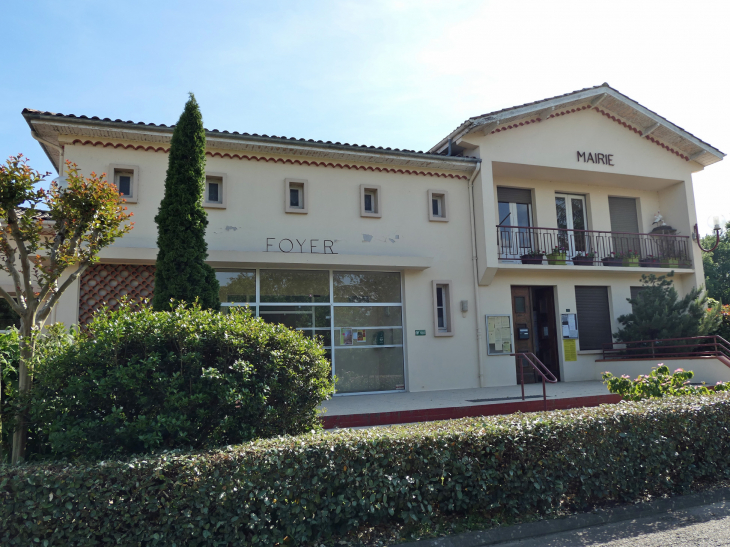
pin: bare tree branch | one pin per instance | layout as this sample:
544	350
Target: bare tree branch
24	258
13	271
46	309
13	304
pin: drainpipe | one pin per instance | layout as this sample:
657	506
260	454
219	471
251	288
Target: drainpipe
475	272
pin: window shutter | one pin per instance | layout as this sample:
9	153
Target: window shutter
623	215
514	195
594	318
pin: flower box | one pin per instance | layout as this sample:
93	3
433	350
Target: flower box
612	261
532	259
671	263
557	259
580	260
649	262
630	262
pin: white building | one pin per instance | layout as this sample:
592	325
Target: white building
411	265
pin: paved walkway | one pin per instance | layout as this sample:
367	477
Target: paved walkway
399	408
699	519
420	400
705	526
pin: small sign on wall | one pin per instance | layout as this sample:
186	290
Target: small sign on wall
569	350
420	333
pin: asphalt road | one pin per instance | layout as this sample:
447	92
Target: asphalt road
705	526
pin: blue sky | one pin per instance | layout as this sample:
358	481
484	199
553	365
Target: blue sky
396	73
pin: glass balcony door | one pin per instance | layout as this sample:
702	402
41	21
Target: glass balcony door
571	215
515	237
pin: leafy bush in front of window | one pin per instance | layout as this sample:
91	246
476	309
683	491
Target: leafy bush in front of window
308	487
142	381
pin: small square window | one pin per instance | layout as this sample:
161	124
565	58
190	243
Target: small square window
215	190
443	323
125	178
370	201
438	206
296	200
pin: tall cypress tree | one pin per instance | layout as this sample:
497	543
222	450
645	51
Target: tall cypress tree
181	272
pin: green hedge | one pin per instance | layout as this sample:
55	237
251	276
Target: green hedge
311	486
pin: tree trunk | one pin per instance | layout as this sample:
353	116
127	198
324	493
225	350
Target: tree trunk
2	452
20	434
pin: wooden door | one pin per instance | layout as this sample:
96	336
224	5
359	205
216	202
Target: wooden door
522	316
547	334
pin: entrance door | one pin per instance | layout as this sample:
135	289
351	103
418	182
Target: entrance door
571	213
522	315
546	332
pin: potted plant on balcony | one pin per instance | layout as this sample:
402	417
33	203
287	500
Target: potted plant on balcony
630	259
532	257
558	257
650	261
584	259
612	260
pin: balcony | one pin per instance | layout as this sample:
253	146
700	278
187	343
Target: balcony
566	247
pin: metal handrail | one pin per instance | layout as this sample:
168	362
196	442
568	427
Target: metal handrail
545	373
530	244
706	346
591	231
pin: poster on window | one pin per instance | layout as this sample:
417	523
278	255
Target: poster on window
499	334
345	337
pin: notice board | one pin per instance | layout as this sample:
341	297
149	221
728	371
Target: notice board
499	334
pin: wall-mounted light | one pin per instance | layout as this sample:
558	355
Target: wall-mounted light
715	223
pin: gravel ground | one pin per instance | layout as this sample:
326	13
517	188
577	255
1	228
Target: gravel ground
703	526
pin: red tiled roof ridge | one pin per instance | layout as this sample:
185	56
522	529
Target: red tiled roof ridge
224	132
310	163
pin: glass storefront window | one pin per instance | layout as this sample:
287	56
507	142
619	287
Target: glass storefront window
373	336
366	287
295	286
237	285
366	330
297	317
369	369
368	316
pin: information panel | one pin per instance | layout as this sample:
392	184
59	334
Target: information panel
499	334
569	324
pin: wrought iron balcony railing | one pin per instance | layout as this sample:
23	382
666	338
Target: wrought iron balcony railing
560	246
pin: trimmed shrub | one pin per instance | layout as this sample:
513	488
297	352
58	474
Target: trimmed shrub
305	488
141	381
658	383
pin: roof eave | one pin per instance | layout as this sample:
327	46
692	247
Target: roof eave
294	146
473	125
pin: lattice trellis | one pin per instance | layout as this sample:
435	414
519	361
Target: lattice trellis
105	284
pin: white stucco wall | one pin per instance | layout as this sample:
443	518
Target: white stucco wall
540	156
